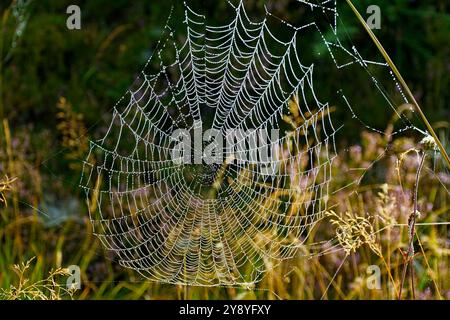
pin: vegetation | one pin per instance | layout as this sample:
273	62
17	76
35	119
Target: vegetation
55	84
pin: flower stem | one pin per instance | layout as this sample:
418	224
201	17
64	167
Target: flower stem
409	260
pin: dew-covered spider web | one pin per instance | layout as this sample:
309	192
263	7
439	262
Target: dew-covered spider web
222	223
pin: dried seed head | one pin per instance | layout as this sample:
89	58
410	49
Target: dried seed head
353	232
428	143
5	185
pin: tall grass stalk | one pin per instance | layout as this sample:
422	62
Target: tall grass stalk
402	81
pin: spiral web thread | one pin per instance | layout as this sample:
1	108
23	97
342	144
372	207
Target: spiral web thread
222	224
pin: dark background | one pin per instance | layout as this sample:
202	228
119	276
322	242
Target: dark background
43	139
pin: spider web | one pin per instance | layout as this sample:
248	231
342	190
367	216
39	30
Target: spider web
220	224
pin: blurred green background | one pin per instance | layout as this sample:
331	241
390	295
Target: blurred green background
56	83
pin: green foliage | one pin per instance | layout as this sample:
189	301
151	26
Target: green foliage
41	61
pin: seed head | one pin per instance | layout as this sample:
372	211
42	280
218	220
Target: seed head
428	143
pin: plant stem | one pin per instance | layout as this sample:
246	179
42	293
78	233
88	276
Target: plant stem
409	260
402	81
405	268
411	272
